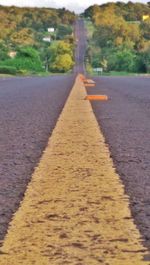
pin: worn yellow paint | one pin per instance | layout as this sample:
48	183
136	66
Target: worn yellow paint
75	210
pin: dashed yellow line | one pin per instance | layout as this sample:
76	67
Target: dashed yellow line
75	210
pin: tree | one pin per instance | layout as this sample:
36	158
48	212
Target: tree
27	59
121	36
62	51
146	59
104	36
23	37
145	28
123	60
91	11
63	63
64	47
3	52
63	31
104	64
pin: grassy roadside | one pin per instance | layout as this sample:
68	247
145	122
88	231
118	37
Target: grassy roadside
40	74
113	73
5	75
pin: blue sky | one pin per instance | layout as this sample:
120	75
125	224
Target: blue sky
77	5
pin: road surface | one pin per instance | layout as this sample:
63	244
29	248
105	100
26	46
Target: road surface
29	109
125	122
81	42
74	210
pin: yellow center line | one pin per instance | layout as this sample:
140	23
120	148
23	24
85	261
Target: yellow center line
75	210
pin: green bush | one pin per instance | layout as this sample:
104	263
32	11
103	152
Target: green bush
3	51
4	69
63	63
123	60
27	59
145	56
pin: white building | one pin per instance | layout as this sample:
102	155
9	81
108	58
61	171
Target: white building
47	39
12	54
51	30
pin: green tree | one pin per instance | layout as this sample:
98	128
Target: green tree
145	28
63	31
3	52
63	63
123	60
146	59
23	37
104	64
27	59
55	50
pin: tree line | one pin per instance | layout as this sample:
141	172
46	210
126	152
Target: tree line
22	30
121	37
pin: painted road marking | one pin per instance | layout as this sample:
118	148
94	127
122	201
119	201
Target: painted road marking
89	85
75	210
96	97
89	81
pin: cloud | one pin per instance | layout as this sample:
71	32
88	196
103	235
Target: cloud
78	6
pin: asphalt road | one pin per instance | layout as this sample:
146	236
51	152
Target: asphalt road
125	122
81	42
29	109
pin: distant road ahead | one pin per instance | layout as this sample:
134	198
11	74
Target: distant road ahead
80	33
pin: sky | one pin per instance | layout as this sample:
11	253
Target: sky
78	5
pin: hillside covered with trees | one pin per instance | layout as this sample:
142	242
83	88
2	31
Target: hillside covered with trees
120	38
27	46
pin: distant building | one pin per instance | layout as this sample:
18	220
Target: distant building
12	54
47	39
145	17
51	30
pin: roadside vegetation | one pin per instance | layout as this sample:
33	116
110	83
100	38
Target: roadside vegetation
118	38
36	40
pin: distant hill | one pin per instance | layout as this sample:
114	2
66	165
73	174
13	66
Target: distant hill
36	40
119	37
130	11
24	23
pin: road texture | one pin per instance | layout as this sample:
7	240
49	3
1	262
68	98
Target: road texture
29	109
125	122
33	98
68	215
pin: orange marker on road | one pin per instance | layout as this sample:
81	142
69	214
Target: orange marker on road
97	97
82	77
89	85
89	81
